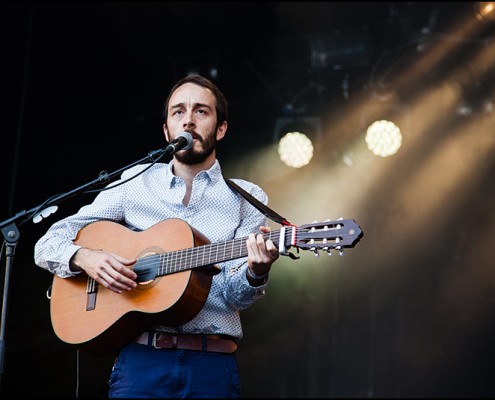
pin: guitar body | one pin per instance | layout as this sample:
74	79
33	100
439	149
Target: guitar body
102	321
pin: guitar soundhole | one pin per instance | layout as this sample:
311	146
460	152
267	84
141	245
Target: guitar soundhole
147	285
150	251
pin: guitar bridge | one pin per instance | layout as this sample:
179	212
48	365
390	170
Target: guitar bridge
91	291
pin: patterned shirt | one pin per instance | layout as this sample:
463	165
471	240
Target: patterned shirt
214	209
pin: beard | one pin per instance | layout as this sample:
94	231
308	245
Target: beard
191	157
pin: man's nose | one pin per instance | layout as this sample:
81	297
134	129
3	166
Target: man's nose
189	121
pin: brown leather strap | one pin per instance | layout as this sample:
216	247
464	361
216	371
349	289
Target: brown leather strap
214	343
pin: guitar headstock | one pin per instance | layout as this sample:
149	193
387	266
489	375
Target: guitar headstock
327	235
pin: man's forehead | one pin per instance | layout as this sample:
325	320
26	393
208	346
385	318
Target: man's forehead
191	93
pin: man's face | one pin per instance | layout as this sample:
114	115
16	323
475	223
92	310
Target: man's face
192	109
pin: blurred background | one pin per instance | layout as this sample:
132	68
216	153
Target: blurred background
407	311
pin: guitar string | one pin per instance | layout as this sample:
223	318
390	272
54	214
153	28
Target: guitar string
182	257
200	249
188	258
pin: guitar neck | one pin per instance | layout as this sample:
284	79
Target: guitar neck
324	236
181	260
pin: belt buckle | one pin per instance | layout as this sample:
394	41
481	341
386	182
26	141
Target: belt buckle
154	340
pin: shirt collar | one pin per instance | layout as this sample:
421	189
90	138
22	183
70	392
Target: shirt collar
214	173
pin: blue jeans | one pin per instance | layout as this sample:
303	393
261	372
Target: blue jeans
141	371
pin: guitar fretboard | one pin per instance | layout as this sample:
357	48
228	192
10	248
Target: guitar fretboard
171	262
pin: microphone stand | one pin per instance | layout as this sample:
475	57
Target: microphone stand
11	233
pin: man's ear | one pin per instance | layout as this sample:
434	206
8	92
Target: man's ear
165	131
221	130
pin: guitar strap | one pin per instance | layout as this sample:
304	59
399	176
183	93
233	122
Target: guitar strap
258	204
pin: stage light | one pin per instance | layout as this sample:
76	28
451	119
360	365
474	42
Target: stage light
485	10
295	149
383	124
383	138
297	137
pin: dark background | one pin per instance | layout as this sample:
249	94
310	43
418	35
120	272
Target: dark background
408	312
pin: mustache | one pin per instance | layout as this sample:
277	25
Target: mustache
194	135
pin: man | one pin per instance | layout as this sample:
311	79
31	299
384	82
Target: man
196	358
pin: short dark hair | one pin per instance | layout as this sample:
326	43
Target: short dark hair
222	104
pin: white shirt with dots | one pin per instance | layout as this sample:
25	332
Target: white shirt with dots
214	209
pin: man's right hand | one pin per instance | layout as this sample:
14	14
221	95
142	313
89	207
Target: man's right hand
108	269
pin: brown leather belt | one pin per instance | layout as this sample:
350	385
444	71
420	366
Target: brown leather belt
214	343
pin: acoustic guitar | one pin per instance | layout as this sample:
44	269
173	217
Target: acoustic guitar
175	267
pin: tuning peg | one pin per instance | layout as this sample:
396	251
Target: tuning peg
316	253
341	251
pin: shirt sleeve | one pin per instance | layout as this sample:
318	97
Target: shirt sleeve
55	248
238	290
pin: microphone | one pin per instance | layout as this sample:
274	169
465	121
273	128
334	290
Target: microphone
182	142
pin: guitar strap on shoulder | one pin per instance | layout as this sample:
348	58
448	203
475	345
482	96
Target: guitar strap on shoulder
258	204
